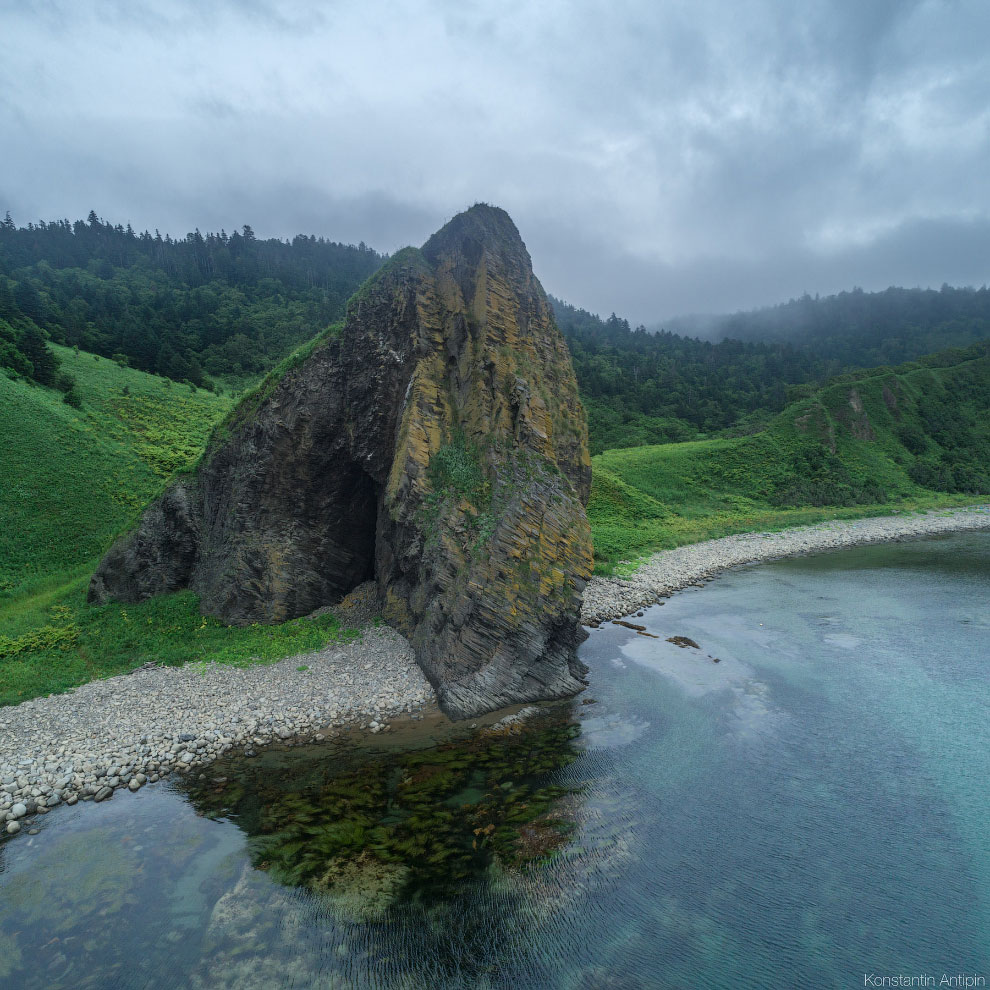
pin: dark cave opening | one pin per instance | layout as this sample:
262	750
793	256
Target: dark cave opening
350	516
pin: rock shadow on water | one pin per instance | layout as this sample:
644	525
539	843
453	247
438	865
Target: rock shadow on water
363	831
439	863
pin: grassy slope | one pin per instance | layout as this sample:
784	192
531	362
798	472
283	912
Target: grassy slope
650	498
72	480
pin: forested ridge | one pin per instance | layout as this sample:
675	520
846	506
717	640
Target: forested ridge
862	329
873	440
641	387
214	305
228	307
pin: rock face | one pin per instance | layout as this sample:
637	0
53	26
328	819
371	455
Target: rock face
434	442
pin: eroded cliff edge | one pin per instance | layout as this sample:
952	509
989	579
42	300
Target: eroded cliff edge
434	442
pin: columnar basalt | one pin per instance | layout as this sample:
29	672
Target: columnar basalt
434	442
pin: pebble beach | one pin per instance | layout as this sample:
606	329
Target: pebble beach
126	731
672	570
137	728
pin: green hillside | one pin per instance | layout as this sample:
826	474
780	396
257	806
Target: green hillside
866	443
72	479
203	307
643	388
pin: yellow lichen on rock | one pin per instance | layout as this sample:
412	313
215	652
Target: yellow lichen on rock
437	444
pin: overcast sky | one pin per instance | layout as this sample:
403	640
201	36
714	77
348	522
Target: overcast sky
658	157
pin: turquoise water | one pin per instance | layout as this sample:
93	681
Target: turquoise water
812	808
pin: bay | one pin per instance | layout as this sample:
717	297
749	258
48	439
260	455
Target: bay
807	811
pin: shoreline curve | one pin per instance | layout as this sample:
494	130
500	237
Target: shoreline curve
104	736
129	730
669	571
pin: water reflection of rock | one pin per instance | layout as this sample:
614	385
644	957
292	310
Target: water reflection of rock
366	831
606	822
536	839
394	853
240	945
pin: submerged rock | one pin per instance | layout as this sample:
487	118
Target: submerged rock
434	442
371	829
361	889
683	642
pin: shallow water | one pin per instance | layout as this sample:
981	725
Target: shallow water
812	808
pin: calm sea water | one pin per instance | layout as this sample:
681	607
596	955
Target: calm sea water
811	809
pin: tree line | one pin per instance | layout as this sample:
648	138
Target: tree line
193	309
221	306
861	329
643	387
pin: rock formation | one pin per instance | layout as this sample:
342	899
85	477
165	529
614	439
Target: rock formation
435	442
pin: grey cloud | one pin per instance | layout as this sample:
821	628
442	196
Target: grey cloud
919	253
658	158
172	16
374	217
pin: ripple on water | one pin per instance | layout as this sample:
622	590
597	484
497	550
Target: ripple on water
633	842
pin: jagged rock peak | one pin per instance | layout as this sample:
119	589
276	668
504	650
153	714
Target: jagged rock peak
481	228
434	442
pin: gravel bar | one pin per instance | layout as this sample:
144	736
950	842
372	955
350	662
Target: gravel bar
136	728
671	570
